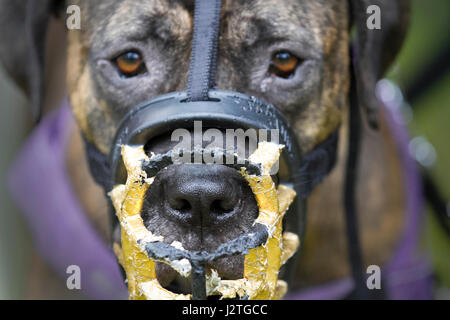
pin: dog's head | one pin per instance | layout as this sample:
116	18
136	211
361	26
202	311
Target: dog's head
294	54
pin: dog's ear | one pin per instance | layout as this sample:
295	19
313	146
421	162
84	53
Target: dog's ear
23	28
375	49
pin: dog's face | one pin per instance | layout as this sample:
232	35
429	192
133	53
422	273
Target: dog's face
311	37
291	53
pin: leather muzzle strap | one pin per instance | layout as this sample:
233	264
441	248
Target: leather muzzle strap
202	71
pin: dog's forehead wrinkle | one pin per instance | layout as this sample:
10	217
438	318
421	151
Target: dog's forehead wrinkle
127	20
281	18
257	22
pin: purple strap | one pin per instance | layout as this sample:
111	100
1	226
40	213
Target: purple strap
409	272
61	232
63	235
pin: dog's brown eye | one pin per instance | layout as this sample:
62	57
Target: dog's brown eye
283	64
130	64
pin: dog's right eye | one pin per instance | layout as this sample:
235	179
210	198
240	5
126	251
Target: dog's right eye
130	64
283	64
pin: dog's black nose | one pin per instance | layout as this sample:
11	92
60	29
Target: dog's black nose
202	195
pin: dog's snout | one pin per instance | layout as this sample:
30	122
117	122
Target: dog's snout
202	195
187	198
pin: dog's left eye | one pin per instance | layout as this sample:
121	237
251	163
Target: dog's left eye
283	64
130	64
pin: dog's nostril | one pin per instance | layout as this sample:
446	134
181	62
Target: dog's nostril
181	205
222	206
199	203
205	209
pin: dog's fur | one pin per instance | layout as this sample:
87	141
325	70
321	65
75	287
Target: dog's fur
315	100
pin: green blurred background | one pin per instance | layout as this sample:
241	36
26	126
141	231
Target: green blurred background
429	31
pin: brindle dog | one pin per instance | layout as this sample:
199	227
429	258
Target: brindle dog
315	35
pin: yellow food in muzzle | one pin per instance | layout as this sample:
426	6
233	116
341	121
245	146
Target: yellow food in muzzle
261	264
